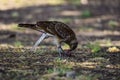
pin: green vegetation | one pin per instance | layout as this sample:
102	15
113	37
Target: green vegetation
15	14
86	14
66	20
113	23
18	44
75	2
94	47
96	50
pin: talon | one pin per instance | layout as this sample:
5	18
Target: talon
68	53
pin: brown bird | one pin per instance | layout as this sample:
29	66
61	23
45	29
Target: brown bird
61	32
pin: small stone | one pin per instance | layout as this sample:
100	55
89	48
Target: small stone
71	74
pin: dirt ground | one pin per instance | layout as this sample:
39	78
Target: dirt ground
97	29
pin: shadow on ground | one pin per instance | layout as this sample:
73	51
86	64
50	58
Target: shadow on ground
67	13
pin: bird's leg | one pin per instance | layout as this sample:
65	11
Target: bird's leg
65	53
60	51
39	41
58	44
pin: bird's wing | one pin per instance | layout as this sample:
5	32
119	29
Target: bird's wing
63	31
47	26
56	28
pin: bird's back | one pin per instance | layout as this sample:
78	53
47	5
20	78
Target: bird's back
59	29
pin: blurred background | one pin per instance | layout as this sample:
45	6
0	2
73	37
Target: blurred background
96	21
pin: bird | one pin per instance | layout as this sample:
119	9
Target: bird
59	30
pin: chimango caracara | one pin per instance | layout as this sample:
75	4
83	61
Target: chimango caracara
60	31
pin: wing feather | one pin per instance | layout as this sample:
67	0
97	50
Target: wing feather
63	30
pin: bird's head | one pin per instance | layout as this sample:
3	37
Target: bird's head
73	44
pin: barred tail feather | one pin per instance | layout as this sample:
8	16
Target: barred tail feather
27	25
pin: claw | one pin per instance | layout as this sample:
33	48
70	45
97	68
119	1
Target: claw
68	53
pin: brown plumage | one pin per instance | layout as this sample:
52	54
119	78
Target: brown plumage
61	31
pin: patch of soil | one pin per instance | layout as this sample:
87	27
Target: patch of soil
23	64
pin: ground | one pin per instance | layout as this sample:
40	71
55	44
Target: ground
97	30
